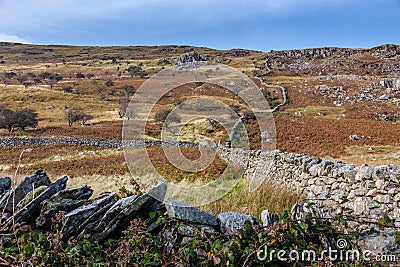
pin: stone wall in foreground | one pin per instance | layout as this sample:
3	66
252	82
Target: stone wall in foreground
367	190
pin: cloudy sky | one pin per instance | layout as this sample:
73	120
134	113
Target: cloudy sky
222	24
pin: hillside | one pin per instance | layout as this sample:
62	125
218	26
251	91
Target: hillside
342	103
65	109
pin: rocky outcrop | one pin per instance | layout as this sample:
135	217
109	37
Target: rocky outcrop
239	52
189	59
305	53
334	60
381	52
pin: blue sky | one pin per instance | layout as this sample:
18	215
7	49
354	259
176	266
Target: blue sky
221	24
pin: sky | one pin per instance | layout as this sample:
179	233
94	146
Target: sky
221	24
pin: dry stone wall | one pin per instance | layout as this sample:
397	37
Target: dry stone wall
366	190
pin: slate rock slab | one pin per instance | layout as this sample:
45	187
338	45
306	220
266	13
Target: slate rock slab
231	222
5	184
126	211
37	179
77	219
77	192
29	212
66	200
182	211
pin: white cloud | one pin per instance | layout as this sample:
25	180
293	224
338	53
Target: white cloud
11	38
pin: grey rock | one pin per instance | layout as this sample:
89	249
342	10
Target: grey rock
324	194
5	184
37	179
182	211
114	211
340	169
364	173
311	209
380	184
66	200
50	209
187	230
359	205
231	222
75	220
29	212
79	192
383	244
267	218
372	193
354	137
128	210
30	196
383	199
168	236
316	189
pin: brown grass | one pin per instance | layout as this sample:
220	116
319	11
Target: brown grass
171	173
271	195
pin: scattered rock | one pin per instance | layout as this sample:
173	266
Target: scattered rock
354	137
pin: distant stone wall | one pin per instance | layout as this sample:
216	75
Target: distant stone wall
371	191
16	141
